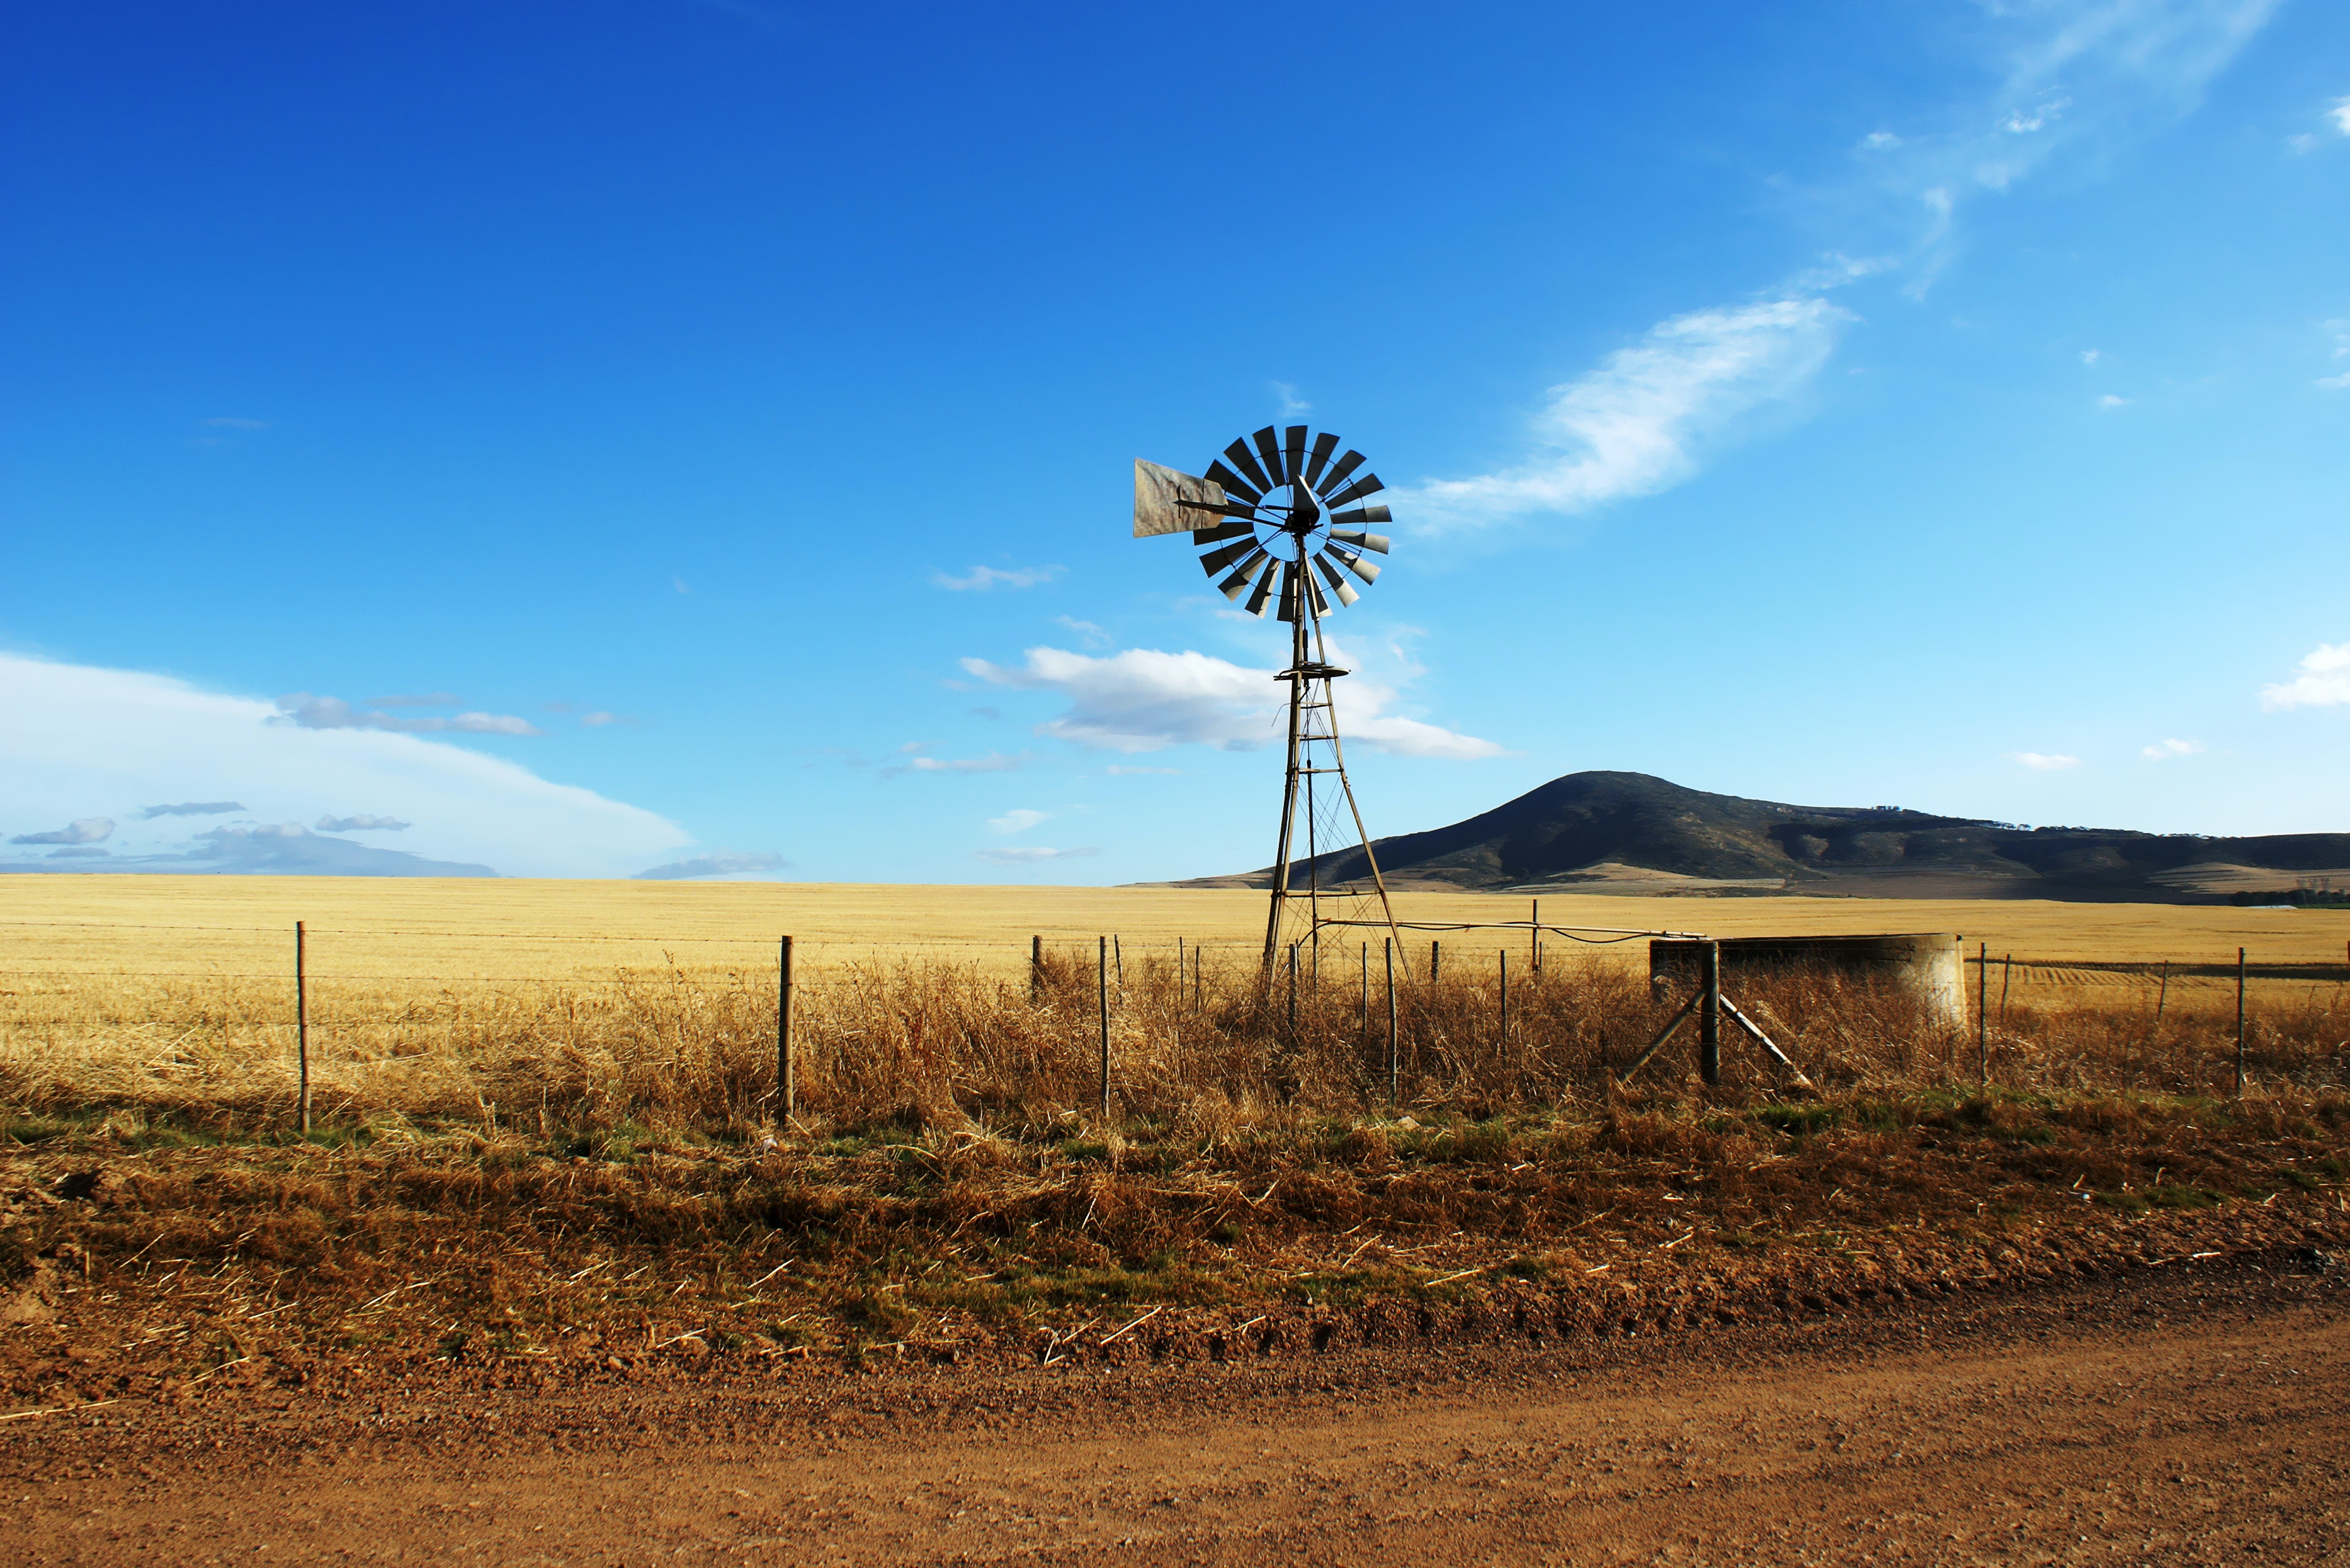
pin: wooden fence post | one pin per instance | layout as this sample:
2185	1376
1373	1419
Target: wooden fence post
1534	937
1505	1003
787	1087
1101	981
1035	969
1982	1015
302	1024
1435	962
1709	1019
2006	973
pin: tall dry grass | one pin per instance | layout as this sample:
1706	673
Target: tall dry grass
1205	1050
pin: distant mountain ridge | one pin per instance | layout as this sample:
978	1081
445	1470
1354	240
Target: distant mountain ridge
1631	833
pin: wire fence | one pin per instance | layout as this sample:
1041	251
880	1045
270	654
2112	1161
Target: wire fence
560	1027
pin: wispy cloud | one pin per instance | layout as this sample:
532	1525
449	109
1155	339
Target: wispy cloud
1019	819
1292	405
980	578
2110	401
2044	762
2163	750
717	862
912	760
191	808
361	824
1646	418
432	700
2323	680
1128	770
311	713
1092	634
1031	855
2339	113
81	830
2077	77
1143	700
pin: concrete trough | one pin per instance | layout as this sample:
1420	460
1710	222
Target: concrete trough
1931	966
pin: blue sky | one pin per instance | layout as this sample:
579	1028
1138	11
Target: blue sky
724	414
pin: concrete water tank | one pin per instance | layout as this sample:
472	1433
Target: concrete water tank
1931	966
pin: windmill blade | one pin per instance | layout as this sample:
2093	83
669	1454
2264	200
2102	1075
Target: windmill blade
1245	461
1237	584
1219	475
1324	445
1376	542
1268	447
1369	485
1215	561
1338	472
1364	515
1222	532
1255	605
1288	590
1352	562
1338	585
1321	605
1292	449
1160	495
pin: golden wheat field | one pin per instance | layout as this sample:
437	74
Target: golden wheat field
571	1003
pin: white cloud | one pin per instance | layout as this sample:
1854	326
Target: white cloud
81	830
2323	680
191	808
311	713
597	719
2044	762
1031	855
2339	113
916	762
1878	140
361	824
985	577
2090	356
1019	819
1292	405
717	862
2162	751
2111	401
76	736
1143	700
1644	420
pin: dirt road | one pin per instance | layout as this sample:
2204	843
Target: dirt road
2179	1416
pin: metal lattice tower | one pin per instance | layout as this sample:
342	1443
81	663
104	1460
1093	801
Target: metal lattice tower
1268	519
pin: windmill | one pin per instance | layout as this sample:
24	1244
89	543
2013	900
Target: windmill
1277	522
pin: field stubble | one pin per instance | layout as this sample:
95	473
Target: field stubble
586	1172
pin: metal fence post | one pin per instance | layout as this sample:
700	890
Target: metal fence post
1982	1014
1101	981
1395	1050
2240	1023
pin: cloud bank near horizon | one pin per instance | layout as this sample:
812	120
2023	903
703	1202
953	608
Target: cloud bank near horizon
82	742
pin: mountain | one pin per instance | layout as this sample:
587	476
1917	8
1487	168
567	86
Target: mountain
1630	833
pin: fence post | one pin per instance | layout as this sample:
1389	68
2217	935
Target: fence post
1505	1001
2006	973
1199	979
1363	1024
1709	1020
786	1079
2240	1023
1101	982
1179	977
1035	969
1982	1015
302	1024
1534	937
1435	961
1395	1053
1292	996
1118	958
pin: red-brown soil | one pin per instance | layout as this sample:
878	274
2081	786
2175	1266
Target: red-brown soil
2173	1410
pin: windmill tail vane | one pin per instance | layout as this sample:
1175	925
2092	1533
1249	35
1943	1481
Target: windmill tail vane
1282	524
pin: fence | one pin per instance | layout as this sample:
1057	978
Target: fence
540	1032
